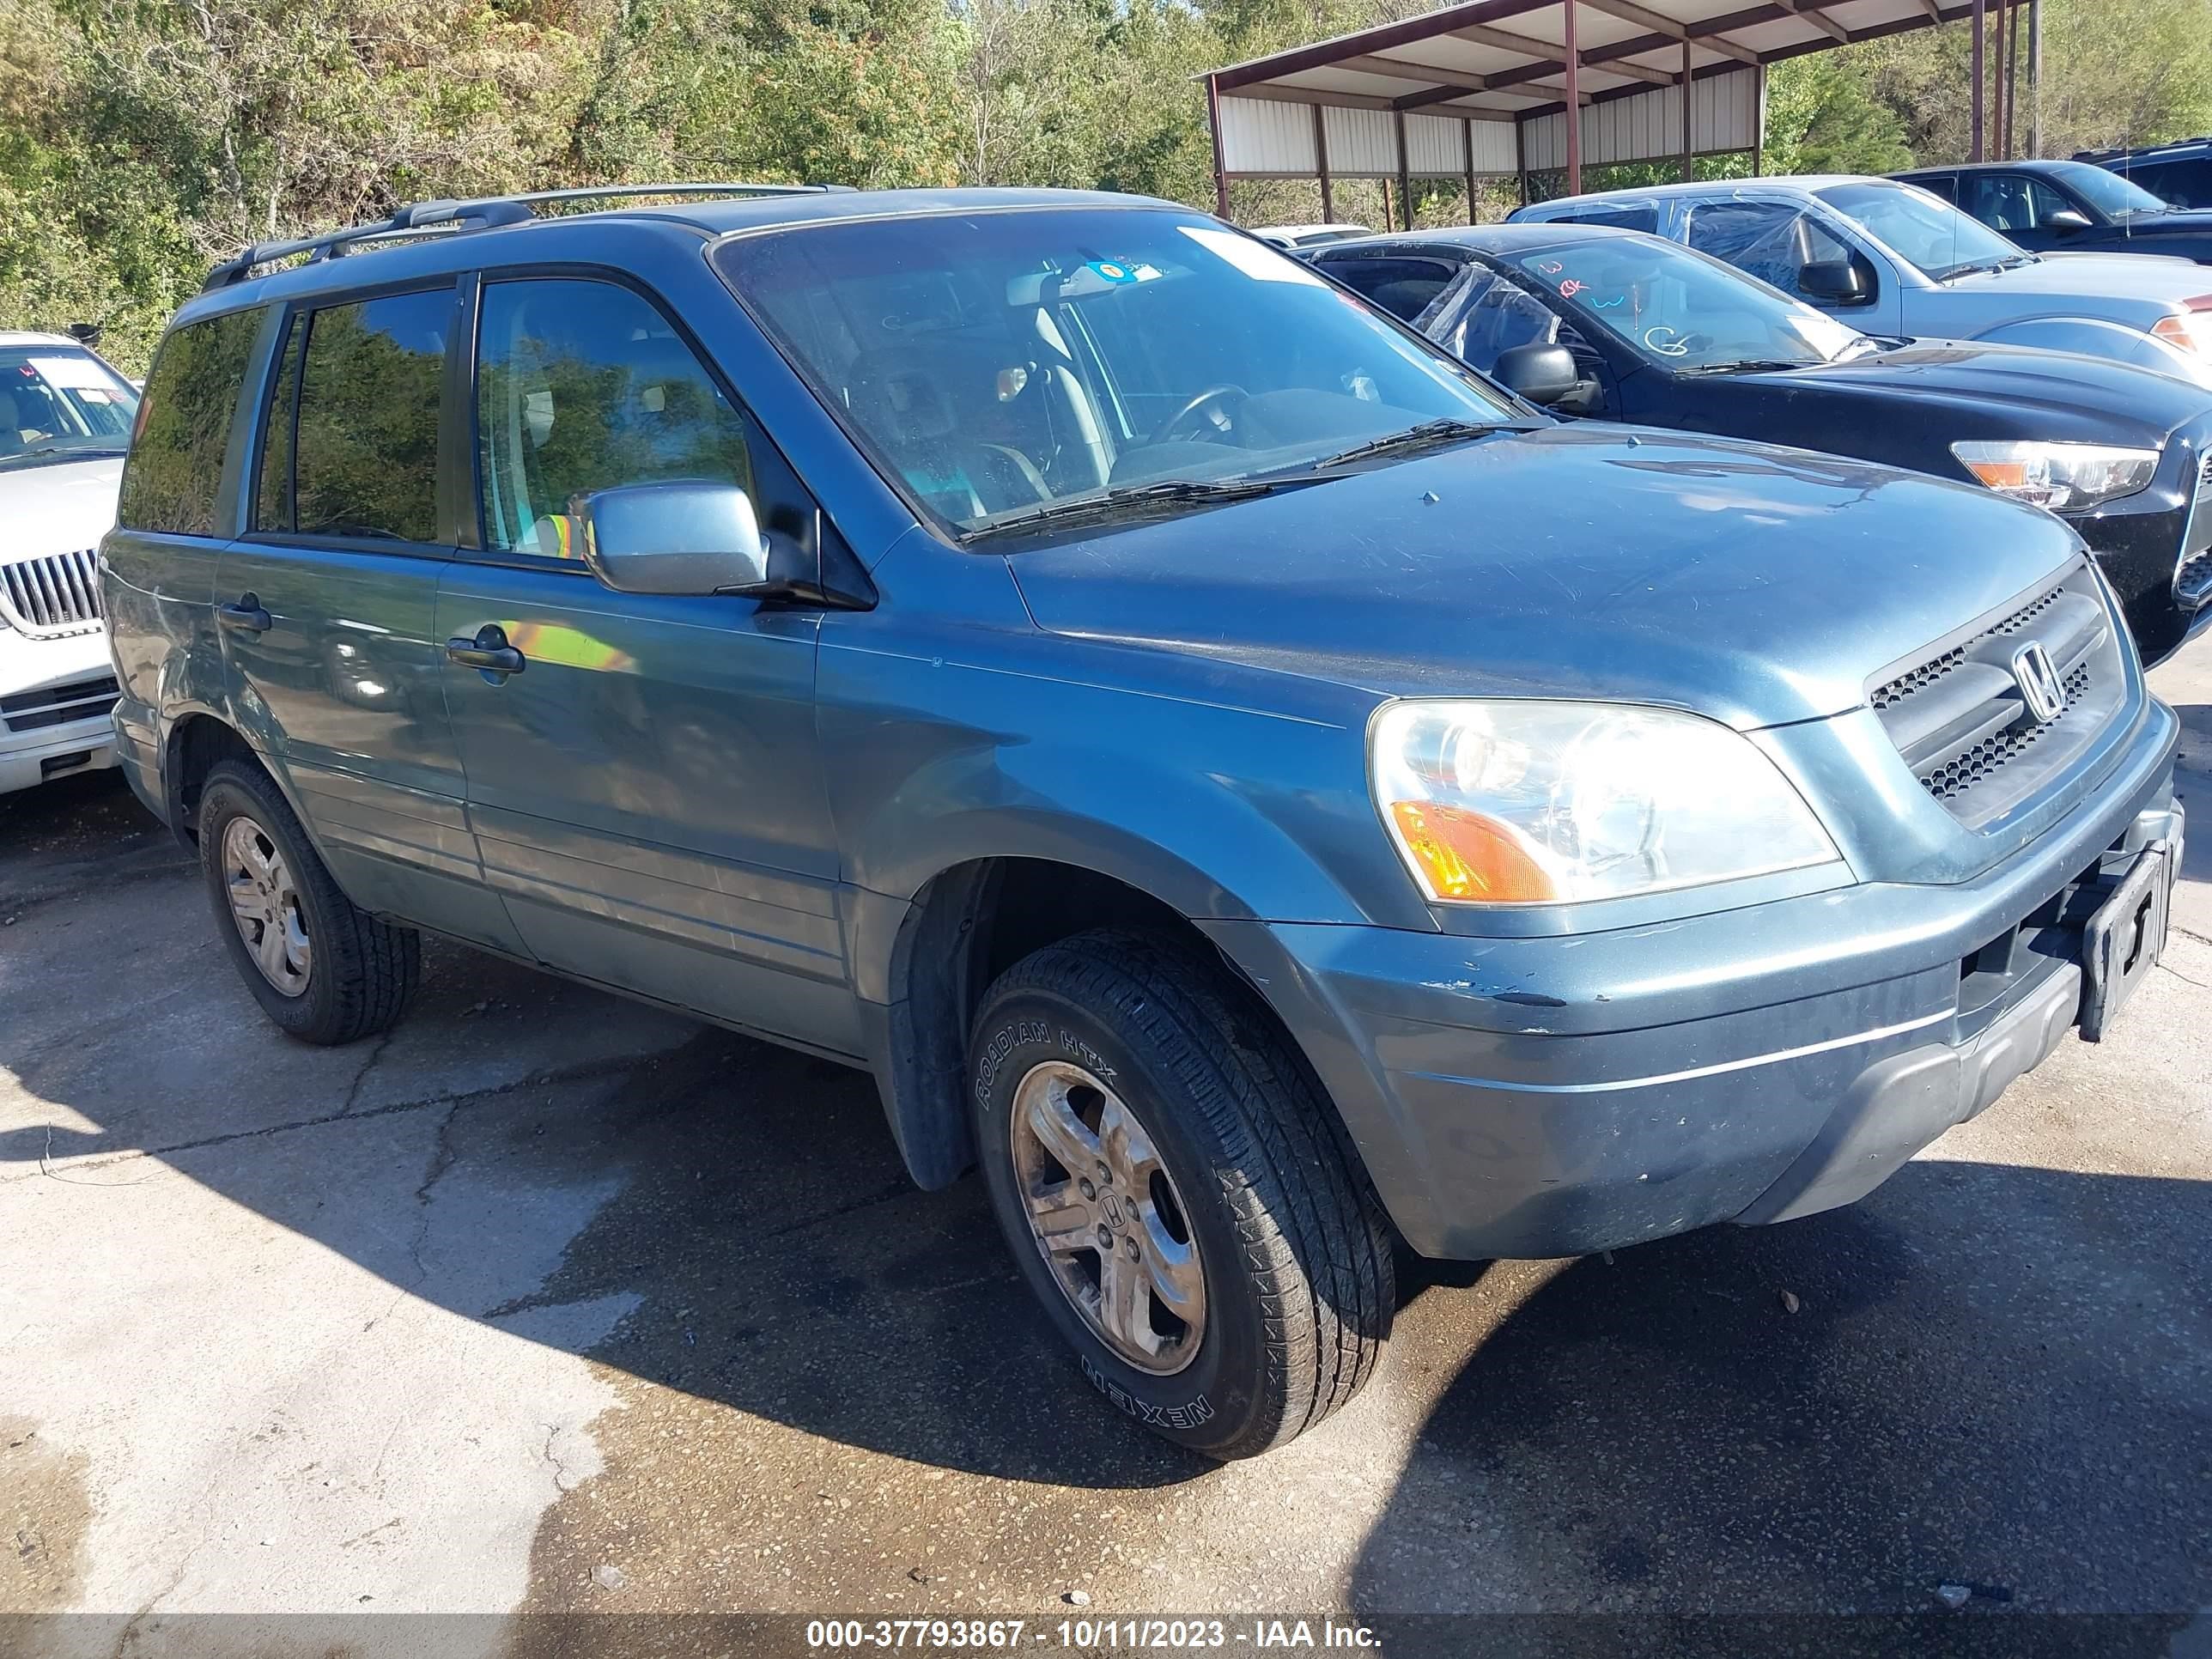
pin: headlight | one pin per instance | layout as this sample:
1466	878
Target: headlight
2058	475
2189	330
1537	803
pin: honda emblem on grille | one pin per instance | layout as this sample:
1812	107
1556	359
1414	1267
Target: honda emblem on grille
2037	676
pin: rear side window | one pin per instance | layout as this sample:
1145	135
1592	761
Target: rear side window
1945	184
364	448
1643	218
169	484
1401	287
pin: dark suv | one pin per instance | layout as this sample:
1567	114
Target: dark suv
1224	766
2178	174
2070	207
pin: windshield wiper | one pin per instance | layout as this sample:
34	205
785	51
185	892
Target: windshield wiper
1752	366
68	449
1135	498
1450	429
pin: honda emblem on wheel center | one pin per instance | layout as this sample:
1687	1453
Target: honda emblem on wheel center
2040	687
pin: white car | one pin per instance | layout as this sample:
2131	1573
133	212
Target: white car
1295	236
65	419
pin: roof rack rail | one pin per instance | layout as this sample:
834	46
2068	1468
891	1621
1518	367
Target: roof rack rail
479	214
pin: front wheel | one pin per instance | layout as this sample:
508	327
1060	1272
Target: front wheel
323	969
1178	1193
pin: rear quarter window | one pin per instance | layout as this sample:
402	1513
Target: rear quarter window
1643	218
175	468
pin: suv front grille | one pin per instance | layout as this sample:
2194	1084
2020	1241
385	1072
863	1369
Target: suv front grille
57	705
52	595
1960	720
2192	571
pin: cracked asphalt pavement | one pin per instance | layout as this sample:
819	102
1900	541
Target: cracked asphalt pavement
550	1303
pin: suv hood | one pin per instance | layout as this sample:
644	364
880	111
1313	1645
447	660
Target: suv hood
57	507
2015	391
2170	282
1753	585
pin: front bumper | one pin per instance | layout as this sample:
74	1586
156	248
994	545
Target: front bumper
55	695
1547	1096
2142	542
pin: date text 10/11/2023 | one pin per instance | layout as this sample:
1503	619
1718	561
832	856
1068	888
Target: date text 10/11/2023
953	1635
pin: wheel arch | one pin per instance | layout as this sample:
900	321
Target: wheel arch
968	924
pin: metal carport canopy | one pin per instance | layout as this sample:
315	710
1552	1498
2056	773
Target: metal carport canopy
1481	89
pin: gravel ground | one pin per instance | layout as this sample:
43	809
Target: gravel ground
549	1304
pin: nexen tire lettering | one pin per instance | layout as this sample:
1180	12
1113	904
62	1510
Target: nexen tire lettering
1188	1415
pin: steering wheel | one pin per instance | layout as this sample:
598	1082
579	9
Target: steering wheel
1172	427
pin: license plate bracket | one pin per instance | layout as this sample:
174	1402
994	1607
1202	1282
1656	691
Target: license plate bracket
2123	941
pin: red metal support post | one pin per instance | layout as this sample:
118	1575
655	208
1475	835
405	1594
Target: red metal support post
1214	121
2002	116
1689	138
2012	76
1974	152
1466	139
1574	58
1405	174
1321	166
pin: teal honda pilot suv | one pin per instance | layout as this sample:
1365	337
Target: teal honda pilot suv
1264	793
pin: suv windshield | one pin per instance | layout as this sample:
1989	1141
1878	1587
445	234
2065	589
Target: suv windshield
60	401
1680	309
997	364
1922	228
2109	194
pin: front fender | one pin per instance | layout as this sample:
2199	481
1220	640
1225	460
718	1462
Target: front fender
2099	336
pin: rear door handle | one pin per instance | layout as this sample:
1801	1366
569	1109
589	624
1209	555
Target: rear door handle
246	616
489	651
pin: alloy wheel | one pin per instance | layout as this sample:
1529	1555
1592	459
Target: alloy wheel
264	902
1106	1218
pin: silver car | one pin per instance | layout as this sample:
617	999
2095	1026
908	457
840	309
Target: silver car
65	418
1894	259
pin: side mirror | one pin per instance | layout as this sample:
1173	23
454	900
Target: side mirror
85	334
1834	281
1542	373
2068	221
684	539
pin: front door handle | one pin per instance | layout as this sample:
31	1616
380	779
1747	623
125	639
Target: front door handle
246	616
489	651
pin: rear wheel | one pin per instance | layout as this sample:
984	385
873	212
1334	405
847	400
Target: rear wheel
322	969
1178	1193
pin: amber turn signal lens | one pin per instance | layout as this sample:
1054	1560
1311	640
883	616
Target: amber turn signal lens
1465	855
2000	475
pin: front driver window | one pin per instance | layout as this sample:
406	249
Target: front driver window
1772	242
583	385
2012	202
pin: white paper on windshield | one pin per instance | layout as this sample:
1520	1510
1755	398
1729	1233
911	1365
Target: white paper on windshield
1255	259
71	373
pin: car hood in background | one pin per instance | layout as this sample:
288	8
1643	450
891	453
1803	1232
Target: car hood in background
1753	585
57	507
2115	276
2050	394
2181	221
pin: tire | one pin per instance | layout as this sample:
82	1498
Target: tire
1291	1247
356	974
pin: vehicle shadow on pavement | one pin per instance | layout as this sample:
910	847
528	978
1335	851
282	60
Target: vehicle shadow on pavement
741	1207
2032	1423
